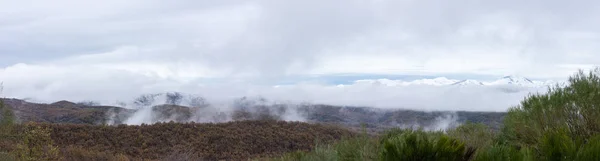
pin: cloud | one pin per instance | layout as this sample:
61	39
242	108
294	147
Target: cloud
113	49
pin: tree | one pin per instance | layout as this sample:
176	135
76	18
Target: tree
174	98
145	100
197	102
8	117
89	103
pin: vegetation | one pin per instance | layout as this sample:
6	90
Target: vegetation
7	132
171	141
419	145
36	145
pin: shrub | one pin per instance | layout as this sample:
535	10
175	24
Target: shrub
359	149
503	152
36	145
474	135
72	153
419	145
575	108
557	146
362	148
591	150
7	157
7	120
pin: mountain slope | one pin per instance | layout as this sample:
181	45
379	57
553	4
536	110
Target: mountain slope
376	119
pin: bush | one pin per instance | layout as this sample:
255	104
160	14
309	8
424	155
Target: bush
359	149
419	145
474	135
591	150
503	152
7	157
36	145
557	146
72	153
575	108
7	120
362	148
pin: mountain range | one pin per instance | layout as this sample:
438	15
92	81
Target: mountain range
443	81
352	117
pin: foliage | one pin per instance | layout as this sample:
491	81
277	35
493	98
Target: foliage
355	148
7	118
145	100
558	124
420	145
474	135
503	152
591	150
174	98
8	133
575	108
36	144
88	103
209	141
4	156
80	154
557	146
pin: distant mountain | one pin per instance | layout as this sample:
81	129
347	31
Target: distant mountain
468	82
443	81
353	117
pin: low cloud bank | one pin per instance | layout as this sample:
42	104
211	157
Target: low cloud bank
177	107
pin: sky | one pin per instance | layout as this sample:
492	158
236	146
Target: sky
114	49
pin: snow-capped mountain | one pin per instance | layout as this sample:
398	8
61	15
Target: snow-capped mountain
513	80
440	81
467	82
443	81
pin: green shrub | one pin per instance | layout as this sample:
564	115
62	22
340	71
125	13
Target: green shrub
36	145
7	120
557	146
390	133
591	150
503	152
575	108
72	153
474	135
359	149
7	157
419	145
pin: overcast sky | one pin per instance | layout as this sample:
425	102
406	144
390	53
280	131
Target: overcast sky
72	49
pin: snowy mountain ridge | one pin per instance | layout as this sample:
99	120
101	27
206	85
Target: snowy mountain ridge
443	81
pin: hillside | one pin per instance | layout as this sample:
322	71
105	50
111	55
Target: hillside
189	141
354	117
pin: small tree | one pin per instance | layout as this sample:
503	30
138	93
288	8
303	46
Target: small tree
7	119
89	103
197	101
145	100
